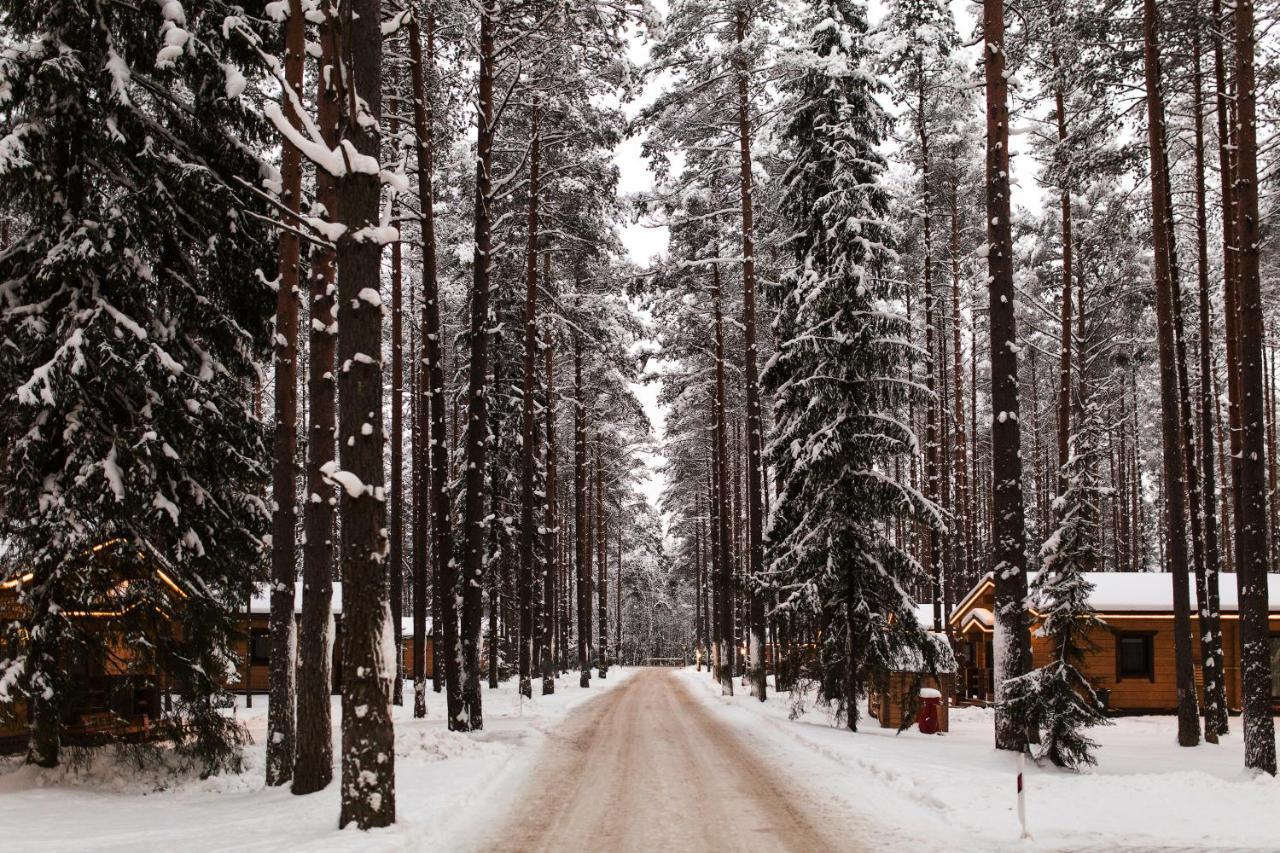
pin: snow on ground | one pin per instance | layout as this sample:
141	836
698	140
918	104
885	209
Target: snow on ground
956	791
442	779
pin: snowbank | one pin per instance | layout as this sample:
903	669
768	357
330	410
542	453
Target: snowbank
956	791
441	778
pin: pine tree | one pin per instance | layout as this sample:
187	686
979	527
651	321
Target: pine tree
842	341
1057	699
131	318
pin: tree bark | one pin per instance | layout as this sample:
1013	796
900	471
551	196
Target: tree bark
368	747
550	535
725	592
963	552
395	557
1251	521
602	568
581	515
756	675
1174	467
1012	639
1064	366
313	765
475	527
527	449
1207	586
284	512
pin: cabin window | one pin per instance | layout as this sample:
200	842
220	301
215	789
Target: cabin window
1275	666
259	648
1135	656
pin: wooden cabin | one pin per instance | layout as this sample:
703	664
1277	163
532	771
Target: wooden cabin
1132	662
256	639
898	696
114	691
406	645
255	672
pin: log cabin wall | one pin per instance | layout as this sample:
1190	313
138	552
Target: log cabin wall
1132	657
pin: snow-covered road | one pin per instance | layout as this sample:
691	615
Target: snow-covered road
648	768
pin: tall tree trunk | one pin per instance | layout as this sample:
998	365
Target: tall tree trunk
725	593
551	524
1013	638
602	568
1207	592
932	541
313	765
755	429
1230	307
699	622
1251	523
527	450
1064	366
477	429
617	621
368	748
581	516
395	557
963	556
717	577
446	643
284	510
1174	464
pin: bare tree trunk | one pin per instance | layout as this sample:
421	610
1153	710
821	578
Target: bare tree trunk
395	557
551	524
527	449
475	527
368	748
1251	523
1064	367
313	765
713	517
1174	467
284	510
726	595
1013	639
932	541
963	555
755	430
445	641
1207	594
581	515
602	568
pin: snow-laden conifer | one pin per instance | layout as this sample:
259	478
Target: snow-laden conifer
1057	699
132	310
839	398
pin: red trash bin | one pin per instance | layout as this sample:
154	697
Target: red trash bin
929	714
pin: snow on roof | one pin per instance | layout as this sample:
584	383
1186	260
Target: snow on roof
1152	592
911	660
983	615
924	615
261	601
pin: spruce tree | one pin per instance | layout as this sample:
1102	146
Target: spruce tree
1057	699
131	316
841	344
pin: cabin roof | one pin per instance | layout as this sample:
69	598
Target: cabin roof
261	601
1134	592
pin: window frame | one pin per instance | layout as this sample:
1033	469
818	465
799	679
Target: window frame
1275	694
1149	641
